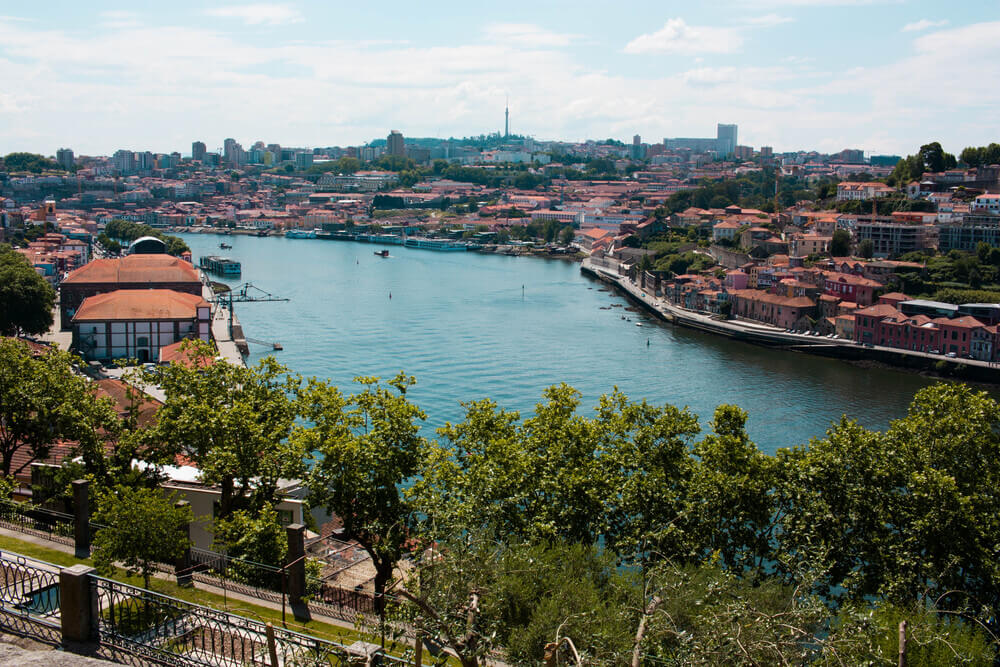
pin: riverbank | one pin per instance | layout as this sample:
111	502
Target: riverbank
762	334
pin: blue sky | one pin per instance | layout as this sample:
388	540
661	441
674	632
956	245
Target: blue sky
882	75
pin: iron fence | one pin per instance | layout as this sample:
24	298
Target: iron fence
29	589
49	524
175	632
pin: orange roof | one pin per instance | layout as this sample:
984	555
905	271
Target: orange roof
139	304
172	354
135	269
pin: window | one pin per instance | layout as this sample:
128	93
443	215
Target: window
142	341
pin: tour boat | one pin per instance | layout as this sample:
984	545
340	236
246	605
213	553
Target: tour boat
382	253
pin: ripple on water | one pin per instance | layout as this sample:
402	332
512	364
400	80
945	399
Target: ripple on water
460	324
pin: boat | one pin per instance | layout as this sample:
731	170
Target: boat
223	265
225	246
300	234
434	244
382	253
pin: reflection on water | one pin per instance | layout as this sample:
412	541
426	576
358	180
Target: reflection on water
470	326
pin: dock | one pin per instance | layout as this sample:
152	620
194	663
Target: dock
232	348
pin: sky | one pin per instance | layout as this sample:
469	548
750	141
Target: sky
884	76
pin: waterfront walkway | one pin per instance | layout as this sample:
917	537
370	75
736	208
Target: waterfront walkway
228	348
757	332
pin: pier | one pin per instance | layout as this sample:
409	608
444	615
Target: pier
233	347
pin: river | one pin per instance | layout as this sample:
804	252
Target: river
470	326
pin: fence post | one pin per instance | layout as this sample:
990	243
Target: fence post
295	565
78	610
182	567
81	517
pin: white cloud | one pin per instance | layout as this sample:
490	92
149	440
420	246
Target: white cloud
923	24
347	92
259	13
527	34
677	37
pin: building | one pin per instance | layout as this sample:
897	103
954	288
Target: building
130	272
986	204
852	191
781	311
64	156
136	323
394	144
725	139
890	237
198	150
123	162
968	231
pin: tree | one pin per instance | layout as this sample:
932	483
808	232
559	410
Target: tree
566	235
257	538
41	399
866	248
233	422
840	245
142	527
935	159
30	162
366	447
26	299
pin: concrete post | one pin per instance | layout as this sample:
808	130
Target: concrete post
78	604
295	563
81	517
182	568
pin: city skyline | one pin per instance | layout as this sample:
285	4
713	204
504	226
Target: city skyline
793	74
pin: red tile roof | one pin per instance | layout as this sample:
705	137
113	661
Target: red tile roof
135	269
138	304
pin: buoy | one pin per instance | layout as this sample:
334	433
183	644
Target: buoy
390	295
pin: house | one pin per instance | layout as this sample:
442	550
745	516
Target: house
852	191
137	323
850	287
781	311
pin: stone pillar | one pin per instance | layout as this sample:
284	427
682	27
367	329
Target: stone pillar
81	517
182	568
78	604
295	563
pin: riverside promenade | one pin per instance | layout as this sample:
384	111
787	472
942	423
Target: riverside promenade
607	270
231	345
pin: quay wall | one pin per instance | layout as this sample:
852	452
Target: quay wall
959	369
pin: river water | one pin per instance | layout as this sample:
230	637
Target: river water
470	326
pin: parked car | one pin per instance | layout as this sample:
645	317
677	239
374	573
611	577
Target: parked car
951	355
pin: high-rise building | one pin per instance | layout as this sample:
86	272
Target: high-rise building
124	162
146	161
232	153
766	152
726	138
64	156
198	151
636	151
394	144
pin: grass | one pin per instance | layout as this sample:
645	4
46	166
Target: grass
314	628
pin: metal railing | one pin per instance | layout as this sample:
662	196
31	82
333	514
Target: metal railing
49	524
29	589
175	632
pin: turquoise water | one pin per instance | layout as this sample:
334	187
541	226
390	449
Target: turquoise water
470	326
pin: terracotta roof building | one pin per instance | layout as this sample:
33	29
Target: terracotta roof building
137	323
131	272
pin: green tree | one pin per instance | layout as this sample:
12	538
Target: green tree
256	538
41	399
366	447
30	162
866	248
234	423
566	235
840	245
26	299
142	527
